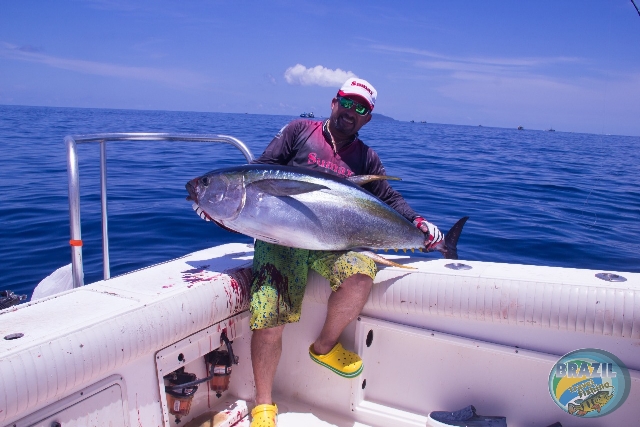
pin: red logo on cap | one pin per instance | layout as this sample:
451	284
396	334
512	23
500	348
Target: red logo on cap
354	83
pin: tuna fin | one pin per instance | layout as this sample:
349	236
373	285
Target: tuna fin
382	260
365	179
449	246
286	187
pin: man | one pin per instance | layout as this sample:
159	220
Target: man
280	273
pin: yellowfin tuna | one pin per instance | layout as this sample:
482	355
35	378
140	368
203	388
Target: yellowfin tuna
307	209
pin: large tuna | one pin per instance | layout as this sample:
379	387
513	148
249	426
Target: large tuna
307	209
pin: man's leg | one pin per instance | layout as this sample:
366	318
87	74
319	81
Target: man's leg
277	290
266	347
344	305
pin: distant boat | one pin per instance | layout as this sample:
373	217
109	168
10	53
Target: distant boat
424	121
551	130
309	115
520	128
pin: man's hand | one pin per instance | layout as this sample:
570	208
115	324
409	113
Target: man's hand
432	234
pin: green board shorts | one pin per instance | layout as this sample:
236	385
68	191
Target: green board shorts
280	278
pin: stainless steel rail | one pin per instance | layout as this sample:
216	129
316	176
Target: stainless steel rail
71	142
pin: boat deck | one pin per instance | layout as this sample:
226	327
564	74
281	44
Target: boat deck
433	338
292	413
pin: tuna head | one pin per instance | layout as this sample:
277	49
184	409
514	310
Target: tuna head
220	195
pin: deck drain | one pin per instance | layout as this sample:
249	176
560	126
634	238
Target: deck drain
458	266
369	338
610	277
14	336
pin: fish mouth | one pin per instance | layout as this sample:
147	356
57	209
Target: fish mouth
191	187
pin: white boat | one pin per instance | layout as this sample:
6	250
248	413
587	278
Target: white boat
437	338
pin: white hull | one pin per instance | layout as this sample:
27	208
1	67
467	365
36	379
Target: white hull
441	339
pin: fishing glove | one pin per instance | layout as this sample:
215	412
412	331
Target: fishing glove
432	234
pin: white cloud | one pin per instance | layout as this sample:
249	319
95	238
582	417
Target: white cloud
171	76
318	75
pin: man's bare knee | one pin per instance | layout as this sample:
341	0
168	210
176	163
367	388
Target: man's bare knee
268	334
357	282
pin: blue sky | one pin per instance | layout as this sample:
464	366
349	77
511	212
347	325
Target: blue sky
573	65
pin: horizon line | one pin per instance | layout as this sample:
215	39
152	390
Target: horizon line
294	115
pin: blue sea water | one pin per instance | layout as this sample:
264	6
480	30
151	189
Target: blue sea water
533	197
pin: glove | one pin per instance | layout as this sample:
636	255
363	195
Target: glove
432	234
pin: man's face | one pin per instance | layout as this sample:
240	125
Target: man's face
346	120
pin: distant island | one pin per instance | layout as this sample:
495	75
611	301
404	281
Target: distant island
381	117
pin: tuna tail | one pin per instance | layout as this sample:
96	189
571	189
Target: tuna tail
449	246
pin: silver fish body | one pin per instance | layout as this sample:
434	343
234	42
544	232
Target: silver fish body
301	208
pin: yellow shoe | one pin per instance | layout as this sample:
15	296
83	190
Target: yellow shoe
343	362
264	416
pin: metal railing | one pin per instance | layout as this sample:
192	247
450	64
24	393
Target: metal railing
71	142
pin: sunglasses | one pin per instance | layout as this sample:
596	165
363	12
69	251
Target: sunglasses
348	103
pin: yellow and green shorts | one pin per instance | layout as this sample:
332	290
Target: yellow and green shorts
280	278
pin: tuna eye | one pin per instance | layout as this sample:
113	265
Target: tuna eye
205	181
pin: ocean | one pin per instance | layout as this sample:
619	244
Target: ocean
533	197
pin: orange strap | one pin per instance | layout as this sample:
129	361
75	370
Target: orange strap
75	242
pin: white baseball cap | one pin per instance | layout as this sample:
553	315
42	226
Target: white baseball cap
361	89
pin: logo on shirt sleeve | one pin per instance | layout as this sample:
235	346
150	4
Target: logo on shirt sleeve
279	134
